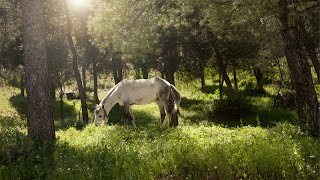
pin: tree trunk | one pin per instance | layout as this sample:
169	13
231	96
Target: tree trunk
116	67
95	81
82	94
84	79
203	82
313	56
119	67
234	69
145	71
170	77
223	70
169	67
52	82
259	78
308	43
61	102
220	85
306	97
22	85
280	85
39	113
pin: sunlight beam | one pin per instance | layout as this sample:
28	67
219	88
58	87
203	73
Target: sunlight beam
79	3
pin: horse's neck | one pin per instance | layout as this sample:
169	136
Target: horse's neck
110	101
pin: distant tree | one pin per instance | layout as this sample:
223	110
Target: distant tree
83	96
39	112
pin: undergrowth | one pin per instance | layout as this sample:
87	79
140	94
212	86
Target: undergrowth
155	152
265	144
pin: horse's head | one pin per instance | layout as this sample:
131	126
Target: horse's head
100	115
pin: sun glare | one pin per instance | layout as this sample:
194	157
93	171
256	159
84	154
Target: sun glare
79	3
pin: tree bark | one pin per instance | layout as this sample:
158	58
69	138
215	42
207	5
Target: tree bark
61	102
145	71
313	56
22	85
170	65
116	67
82	94
39	112
306	97
223	70
95	80
259	78
235	79
53	85
311	50
203	82
84	78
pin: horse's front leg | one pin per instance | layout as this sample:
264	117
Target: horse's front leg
132	117
128	115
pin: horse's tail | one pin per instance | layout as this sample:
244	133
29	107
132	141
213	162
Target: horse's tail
177	98
174	103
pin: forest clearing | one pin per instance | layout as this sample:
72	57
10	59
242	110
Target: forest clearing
86	84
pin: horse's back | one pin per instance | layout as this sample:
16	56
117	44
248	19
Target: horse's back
141	91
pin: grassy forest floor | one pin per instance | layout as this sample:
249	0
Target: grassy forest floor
211	142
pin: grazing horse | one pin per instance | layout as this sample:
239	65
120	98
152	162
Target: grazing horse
140	91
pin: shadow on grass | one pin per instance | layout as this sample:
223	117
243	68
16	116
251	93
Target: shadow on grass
261	117
69	110
142	118
20	104
210	89
197	111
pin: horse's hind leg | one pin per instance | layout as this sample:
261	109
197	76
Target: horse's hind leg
168	104
162	111
128	115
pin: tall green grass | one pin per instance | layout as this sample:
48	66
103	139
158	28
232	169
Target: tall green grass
266	144
154	152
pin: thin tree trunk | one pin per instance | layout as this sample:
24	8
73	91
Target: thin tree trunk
39	112
234	69
170	77
169	67
119	67
220	85
259	78
22	85
223	70
82	94
95	81
116	70
306	97
52	82
280	85
84	79
203	82
311	50
313	56
86	59
145	71
61	101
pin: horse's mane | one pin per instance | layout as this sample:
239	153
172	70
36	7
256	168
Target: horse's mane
108	94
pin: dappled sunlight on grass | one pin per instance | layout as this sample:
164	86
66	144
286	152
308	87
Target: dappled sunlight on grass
263	145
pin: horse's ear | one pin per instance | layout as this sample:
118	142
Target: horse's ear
102	106
95	106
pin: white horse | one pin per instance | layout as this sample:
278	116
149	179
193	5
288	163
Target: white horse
140	91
